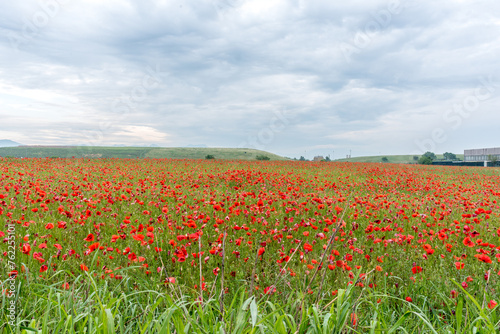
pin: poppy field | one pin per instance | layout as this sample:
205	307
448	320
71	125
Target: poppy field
385	237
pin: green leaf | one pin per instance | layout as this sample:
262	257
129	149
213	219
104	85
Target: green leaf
254	312
110	321
279	326
399	322
458	313
424	319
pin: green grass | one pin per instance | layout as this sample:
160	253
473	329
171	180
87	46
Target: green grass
94	306
397	159
139	302
134	152
218	153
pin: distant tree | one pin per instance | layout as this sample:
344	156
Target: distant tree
327	158
209	156
262	157
493	159
384	159
449	156
430	155
415	158
425	160
302	158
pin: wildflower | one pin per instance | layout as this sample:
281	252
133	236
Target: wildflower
416	269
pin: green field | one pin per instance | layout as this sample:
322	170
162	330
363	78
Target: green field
134	152
103	246
396	159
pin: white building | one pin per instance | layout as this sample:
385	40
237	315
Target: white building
481	154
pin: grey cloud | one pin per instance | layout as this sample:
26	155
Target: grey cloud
226	66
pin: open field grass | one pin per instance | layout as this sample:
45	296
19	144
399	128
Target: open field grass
397	159
204	246
134	152
218	153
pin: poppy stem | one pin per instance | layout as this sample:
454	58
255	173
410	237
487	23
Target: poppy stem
330	242
222	276
486	287
283	272
254	268
201	276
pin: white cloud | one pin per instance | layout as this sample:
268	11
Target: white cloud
143	134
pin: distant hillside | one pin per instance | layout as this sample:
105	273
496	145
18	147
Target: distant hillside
8	143
397	159
134	152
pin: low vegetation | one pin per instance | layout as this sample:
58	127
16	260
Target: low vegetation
134	152
214	246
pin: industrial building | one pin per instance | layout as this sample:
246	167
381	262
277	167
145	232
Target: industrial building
482	154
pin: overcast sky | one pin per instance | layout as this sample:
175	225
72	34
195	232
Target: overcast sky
295	77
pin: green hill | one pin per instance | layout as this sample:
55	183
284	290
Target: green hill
218	153
397	159
134	152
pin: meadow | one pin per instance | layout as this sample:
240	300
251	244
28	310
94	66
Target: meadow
396	159
211	246
107	152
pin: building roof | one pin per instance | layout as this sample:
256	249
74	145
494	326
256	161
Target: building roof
483	151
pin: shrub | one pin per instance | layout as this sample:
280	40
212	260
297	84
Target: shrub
209	156
425	160
262	157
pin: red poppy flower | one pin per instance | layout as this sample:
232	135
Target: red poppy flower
483	258
89	237
26	248
468	242
354	319
269	290
416	269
